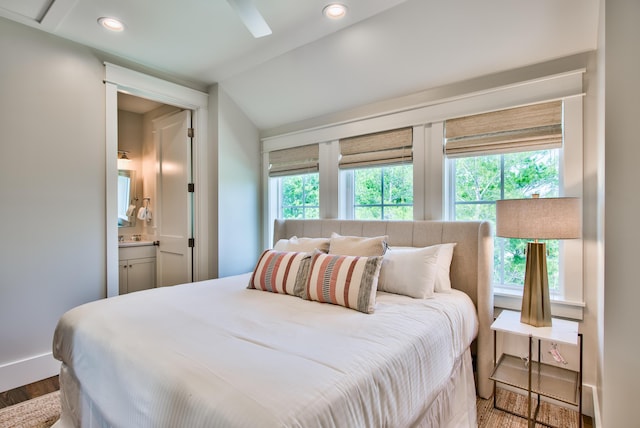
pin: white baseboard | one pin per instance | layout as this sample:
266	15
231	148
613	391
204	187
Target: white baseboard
29	370
588	404
597	418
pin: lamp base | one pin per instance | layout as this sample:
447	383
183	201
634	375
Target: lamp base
536	304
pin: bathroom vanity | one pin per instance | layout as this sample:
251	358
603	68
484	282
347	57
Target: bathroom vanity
137	266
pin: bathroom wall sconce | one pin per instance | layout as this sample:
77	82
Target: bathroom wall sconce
122	155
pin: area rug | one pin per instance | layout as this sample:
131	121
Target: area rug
39	412
44	411
488	417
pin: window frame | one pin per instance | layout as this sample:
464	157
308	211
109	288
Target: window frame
569	301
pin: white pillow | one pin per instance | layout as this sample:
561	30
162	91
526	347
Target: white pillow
302	244
358	245
443	278
443	265
409	271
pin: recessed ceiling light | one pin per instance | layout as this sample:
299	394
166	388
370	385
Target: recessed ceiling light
111	24
335	11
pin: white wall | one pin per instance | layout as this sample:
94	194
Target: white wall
238	187
52	180
620	346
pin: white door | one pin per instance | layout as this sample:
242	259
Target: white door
174	209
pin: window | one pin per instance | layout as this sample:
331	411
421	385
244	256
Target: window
508	154
294	176
379	193
376	176
299	196
481	180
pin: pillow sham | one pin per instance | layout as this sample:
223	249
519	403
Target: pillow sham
409	271
443	277
357	245
281	272
349	281
445	255
302	244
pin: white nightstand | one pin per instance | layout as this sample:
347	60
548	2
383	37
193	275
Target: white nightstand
537	377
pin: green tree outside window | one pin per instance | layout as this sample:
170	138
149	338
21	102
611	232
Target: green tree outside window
384	192
481	180
300	196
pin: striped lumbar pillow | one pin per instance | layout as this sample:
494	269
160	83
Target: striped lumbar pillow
349	281
281	272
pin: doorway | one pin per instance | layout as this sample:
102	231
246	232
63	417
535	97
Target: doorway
154	140
120	80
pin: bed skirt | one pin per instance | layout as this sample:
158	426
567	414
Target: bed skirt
454	407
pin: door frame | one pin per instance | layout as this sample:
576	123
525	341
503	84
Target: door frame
120	79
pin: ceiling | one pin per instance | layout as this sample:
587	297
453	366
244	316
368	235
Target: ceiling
311	66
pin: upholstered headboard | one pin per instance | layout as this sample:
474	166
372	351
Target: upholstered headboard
471	267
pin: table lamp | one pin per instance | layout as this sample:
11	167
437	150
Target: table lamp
537	218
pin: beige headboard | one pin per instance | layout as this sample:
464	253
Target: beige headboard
471	267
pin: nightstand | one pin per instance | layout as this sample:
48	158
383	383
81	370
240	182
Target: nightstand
534	376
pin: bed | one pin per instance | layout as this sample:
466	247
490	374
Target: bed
217	353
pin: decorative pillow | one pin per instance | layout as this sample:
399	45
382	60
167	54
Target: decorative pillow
281	272
358	246
409	271
302	244
445	255
349	281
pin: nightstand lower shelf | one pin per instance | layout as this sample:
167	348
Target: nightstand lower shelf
547	380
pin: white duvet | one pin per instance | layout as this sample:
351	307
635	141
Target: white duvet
214	353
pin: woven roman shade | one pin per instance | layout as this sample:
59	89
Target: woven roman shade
534	127
296	160
380	148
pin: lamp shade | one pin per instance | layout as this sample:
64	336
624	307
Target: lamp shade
539	218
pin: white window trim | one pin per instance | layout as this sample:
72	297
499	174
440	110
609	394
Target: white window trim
347	210
510	299
329	179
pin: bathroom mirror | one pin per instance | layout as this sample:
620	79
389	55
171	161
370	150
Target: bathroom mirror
127	200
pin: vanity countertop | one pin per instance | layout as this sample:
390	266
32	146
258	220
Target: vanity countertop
122	244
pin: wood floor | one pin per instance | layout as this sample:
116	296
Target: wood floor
27	392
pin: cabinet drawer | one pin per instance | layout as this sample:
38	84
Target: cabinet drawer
126	253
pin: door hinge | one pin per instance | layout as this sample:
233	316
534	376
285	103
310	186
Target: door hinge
190	132
191	187
192	242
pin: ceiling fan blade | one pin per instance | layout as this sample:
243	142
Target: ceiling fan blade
251	18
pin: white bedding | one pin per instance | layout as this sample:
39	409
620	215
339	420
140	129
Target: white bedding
214	353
